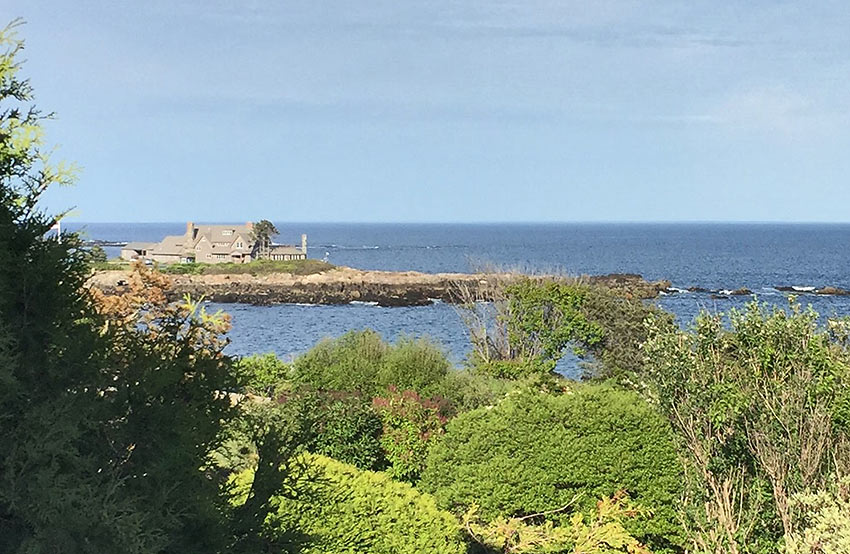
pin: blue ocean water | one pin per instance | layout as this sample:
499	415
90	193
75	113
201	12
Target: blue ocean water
712	256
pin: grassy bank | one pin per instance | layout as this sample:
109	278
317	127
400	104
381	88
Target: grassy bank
258	267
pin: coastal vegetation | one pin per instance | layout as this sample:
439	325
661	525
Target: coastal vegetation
126	427
257	267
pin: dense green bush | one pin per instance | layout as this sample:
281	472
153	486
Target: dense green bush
464	390
262	373
410	426
361	362
536	451
349	430
352	511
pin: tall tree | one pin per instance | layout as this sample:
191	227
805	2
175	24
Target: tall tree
110	407
262	233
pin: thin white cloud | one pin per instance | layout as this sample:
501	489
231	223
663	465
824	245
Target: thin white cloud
779	112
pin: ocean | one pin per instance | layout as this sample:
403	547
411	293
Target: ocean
708	255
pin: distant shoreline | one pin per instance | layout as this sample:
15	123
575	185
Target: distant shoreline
344	285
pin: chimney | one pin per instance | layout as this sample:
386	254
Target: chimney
190	230
250	225
304	244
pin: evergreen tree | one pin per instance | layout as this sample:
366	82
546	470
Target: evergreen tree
110	407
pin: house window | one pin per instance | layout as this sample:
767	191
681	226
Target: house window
209	256
239	244
227	232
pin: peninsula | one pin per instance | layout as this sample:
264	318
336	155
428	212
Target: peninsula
343	285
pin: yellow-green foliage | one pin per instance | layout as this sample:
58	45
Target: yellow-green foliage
356	511
261	373
599	533
824	519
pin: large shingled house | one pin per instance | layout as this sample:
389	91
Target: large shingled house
215	244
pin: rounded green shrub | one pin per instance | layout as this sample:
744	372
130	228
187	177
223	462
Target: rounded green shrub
353	511
261	373
537	451
361	362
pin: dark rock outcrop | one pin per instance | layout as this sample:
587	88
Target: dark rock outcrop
832	291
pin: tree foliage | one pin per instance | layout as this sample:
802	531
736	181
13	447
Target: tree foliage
536	451
619	354
262	233
110	406
762	408
526	325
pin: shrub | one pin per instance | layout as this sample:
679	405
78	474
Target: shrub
823	520
262	373
348	363
361	362
414	364
362	511
465	390
410	425
600	532
349	430
536	452
763	406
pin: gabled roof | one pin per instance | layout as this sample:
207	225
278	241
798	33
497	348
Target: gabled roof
171	245
217	233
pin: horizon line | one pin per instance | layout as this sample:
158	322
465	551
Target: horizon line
487	222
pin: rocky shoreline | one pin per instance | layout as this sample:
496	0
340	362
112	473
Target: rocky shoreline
343	285
726	293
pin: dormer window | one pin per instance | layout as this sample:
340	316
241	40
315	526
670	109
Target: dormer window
227	232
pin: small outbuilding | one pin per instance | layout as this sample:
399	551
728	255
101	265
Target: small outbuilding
136	250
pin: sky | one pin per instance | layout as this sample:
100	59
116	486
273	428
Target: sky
445	110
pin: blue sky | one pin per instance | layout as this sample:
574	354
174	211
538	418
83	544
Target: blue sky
477	110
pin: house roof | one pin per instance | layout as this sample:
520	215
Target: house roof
285	249
173	244
221	233
214	234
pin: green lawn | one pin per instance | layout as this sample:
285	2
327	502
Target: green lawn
257	267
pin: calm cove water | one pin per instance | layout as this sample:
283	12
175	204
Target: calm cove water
713	256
